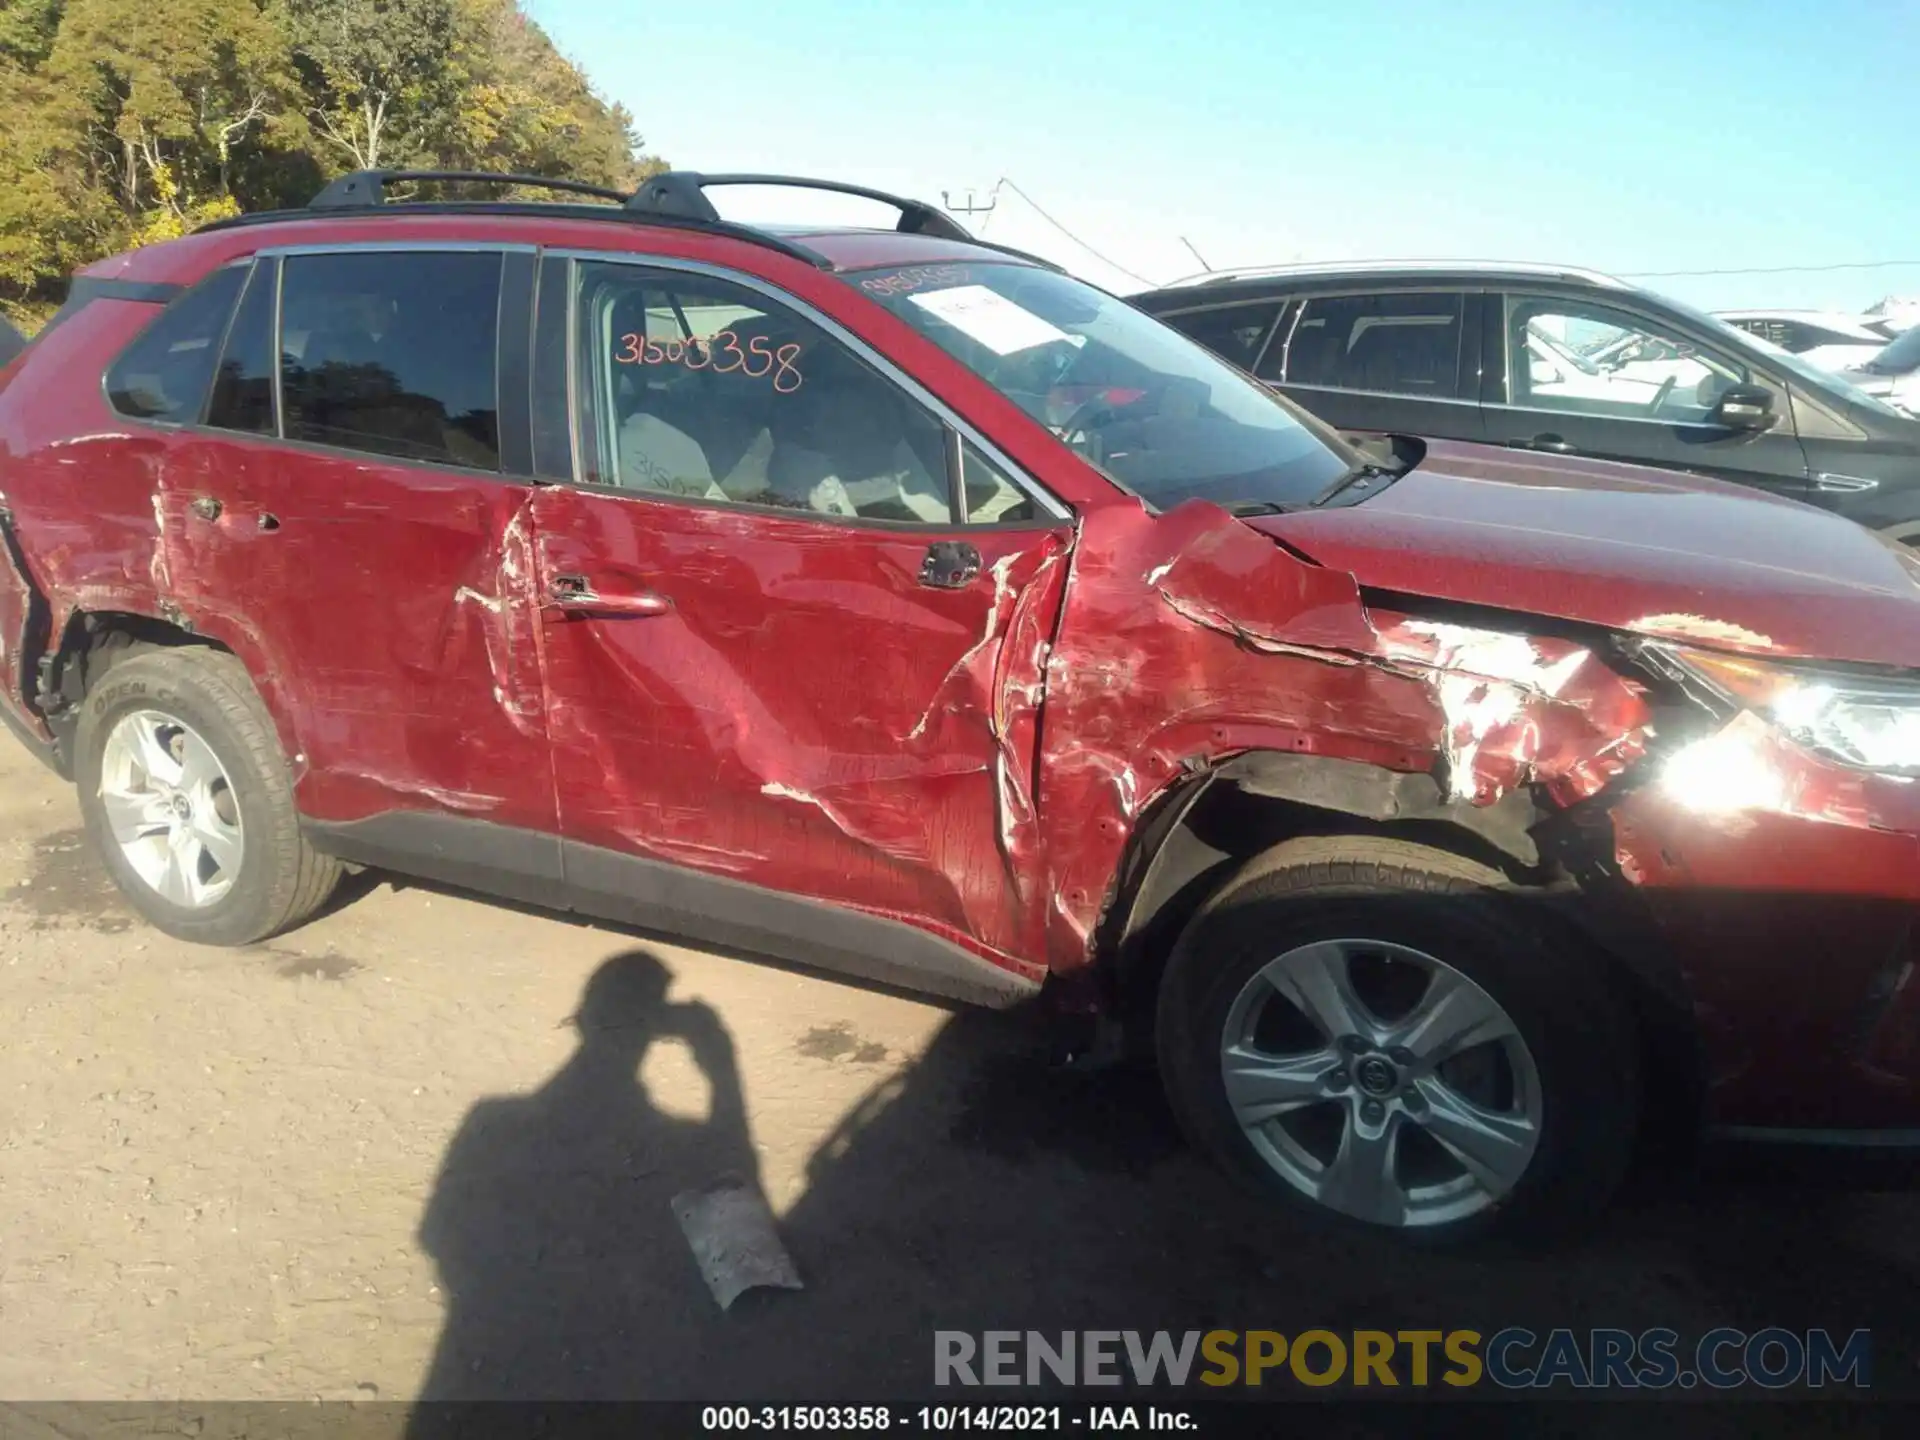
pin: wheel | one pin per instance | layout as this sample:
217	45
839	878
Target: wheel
1372	1031
189	802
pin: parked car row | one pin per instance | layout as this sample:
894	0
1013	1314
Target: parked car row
1439	807
1562	361
1831	341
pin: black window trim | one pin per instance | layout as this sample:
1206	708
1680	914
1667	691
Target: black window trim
1051	512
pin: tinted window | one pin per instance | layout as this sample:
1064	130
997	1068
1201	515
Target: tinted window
163	375
704	389
243	385
1233	334
1398	343
12	342
393	353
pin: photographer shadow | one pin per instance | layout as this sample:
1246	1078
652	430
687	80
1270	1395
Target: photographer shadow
565	1272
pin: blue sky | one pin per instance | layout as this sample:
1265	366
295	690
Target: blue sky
1626	135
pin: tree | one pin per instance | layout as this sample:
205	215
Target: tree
378	72
127	121
164	93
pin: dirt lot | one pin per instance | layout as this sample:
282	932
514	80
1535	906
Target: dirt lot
380	1157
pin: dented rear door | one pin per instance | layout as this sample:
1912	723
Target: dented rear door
368	545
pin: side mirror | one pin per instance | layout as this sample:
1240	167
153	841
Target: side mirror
1743	407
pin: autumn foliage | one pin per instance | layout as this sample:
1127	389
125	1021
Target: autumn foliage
128	121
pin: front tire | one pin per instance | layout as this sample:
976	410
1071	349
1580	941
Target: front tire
1374	1032
188	800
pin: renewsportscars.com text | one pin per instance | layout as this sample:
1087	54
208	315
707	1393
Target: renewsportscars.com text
1512	1359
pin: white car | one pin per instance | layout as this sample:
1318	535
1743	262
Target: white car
1893	375
1830	340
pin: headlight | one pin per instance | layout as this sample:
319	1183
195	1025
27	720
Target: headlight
1865	722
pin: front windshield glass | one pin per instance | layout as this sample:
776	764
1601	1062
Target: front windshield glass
1816	378
1157	412
1900	358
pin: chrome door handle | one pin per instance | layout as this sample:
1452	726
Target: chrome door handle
575	595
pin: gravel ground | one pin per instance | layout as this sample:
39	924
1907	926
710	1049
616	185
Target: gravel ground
411	1149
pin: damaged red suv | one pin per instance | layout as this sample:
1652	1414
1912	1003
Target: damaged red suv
886	601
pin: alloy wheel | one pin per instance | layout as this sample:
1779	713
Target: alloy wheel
171	808
1381	1082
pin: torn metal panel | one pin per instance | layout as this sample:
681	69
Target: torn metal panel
1189	638
803	713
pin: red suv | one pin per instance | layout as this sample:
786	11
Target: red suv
888	601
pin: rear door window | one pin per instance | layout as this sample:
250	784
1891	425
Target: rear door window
1235	332
1397	343
243	385
163	375
394	353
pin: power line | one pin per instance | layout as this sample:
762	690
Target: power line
1769	270
1003	180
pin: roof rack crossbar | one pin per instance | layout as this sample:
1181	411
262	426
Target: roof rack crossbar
683	193
369	187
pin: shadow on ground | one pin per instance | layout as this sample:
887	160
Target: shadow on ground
987	1189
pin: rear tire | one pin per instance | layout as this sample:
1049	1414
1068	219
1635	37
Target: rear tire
1522	1122
204	842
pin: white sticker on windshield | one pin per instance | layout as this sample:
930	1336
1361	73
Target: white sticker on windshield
989	317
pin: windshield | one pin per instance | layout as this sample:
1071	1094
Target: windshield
1816	378
1899	358
1154	410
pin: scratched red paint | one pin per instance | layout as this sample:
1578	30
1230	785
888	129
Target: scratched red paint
803	715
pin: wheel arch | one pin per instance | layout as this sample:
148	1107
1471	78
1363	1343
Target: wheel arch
1204	829
90	641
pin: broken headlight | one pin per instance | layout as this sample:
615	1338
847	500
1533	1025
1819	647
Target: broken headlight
1864	721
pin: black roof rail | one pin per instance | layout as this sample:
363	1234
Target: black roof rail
683	193
676	199
369	187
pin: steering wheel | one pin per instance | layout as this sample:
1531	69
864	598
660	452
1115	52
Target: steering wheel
1660	395
1084	414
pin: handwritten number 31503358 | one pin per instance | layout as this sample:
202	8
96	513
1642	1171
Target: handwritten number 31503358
722	353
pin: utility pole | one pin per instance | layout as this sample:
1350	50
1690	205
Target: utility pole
970	208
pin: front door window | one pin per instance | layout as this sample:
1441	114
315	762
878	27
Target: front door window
1594	360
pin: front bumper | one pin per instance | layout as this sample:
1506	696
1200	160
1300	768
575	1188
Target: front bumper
1793	933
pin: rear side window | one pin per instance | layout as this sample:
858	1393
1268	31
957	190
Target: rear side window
1234	333
243	386
393	353
1400	343
164	374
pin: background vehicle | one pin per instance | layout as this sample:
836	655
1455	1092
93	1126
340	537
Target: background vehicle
1893	375
889	602
1833	342
1451	349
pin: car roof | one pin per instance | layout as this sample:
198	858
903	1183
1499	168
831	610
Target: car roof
1392	269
